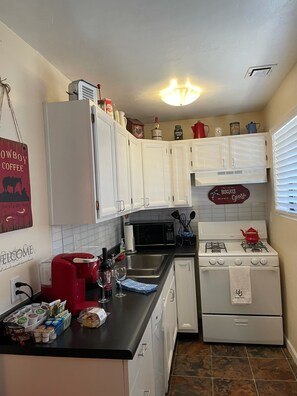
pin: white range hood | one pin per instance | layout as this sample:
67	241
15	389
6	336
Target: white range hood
230	176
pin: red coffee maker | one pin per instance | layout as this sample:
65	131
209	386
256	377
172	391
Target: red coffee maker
68	277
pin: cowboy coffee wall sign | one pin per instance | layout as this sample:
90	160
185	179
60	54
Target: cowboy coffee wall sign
15	194
224	195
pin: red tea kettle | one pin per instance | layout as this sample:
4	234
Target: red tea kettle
199	131
251	235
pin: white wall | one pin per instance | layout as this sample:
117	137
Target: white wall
283	230
33	80
212	122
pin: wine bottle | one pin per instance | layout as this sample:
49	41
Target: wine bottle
156	132
106	273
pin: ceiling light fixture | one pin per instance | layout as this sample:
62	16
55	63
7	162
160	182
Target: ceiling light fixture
180	95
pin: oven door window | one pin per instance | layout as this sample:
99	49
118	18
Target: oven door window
216	298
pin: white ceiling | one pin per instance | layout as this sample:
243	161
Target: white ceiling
133	48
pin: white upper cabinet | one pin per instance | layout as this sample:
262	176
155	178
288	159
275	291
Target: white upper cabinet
105	163
123	169
156	173
237	152
137	192
180	171
248	151
81	163
209	153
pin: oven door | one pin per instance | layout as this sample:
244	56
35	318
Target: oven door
216	296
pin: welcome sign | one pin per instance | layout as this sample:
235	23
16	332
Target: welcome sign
15	193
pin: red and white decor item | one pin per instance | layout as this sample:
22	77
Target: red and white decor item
224	195
15	193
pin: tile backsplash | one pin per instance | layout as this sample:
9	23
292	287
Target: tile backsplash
92	238
86	238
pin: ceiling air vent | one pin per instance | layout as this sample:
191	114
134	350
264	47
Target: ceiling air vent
260	71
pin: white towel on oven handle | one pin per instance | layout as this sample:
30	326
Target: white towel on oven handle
240	285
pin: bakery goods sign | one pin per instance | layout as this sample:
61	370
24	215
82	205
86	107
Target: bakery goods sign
224	195
15	194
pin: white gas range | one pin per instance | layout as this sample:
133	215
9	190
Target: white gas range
257	320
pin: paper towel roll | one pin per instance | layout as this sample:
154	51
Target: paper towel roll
129	237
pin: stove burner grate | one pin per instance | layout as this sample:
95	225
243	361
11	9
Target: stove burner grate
253	247
215	247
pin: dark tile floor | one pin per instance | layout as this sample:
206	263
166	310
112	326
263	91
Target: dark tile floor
208	369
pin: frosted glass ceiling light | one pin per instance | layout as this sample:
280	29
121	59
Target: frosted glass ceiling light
180	95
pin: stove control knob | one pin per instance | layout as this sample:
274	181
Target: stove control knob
263	261
255	261
238	261
221	261
212	261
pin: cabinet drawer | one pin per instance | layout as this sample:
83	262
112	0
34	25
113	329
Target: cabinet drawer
243	329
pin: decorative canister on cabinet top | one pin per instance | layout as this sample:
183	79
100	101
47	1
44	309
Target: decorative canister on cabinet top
234	128
178	132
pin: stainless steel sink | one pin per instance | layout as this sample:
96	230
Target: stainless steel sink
145	265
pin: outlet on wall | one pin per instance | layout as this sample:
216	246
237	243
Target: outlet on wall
14	297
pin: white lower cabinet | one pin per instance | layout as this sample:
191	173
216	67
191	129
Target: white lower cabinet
158	347
169	323
140	369
186	298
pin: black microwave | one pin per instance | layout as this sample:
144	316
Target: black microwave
154	234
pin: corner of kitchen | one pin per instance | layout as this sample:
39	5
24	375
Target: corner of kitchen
152	257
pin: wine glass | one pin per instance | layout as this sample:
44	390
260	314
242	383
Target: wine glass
100	282
120	272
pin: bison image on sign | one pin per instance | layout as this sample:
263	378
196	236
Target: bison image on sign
224	195
15	194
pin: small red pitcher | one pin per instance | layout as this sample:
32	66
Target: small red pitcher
199	130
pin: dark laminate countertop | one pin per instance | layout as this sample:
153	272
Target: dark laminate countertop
117	338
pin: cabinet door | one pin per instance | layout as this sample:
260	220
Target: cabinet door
105	163
247	151
140	369
137	193
209	153
170	326
180	171
156	173
123	169
186	299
